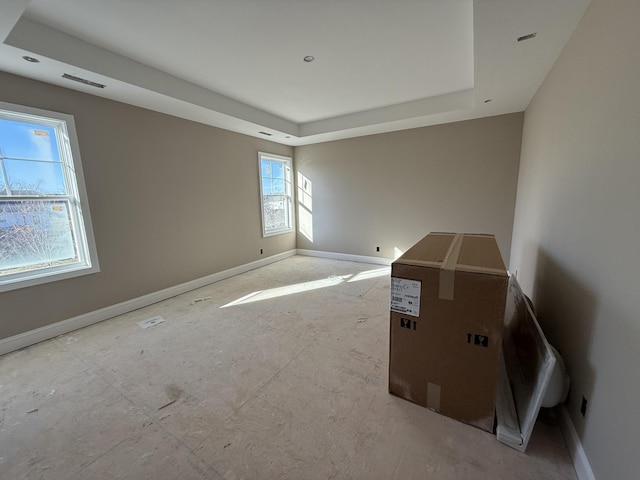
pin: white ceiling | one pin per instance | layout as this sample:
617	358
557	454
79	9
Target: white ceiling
380	65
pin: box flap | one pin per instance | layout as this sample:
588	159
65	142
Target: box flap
480	251
432	249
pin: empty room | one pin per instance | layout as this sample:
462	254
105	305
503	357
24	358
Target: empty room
253	239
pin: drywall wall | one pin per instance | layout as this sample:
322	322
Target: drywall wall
577	227
390	190
170	200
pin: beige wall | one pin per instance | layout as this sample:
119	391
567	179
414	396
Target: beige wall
171	201
577	228
390	190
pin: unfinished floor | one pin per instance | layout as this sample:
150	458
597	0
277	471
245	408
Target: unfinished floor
280	372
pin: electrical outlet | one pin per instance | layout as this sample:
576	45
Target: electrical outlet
377	249
583	406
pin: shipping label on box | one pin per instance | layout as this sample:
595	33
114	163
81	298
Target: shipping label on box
405	296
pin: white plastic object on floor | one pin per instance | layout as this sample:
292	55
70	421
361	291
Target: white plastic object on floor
558	387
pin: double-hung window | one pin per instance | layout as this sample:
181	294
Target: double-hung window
45	229
276	194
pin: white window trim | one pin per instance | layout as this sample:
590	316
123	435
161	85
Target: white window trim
292	217
84	224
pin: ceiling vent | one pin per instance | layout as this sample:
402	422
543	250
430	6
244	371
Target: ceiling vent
527	37
83	80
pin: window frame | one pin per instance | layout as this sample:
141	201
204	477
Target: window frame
76	196
288	161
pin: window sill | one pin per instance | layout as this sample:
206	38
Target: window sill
35	278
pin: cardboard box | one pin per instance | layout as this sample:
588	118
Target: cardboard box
448	295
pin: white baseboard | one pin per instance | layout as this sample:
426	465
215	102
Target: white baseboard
47	332
571	438
345	257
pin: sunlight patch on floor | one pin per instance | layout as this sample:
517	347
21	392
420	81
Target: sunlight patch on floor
330	281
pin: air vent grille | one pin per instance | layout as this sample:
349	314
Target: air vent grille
83	80
527	37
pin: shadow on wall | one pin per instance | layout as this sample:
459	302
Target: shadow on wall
566	311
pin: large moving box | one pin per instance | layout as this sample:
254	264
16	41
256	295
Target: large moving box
448	295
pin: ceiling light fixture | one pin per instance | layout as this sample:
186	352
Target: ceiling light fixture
527	37
31	59
83	80
309	59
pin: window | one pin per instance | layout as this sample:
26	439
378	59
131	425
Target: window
275	194
305	207
45	229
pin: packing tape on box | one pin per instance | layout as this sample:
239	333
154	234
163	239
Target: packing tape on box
448	268
433	396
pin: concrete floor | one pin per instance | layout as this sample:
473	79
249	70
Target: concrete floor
291	383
